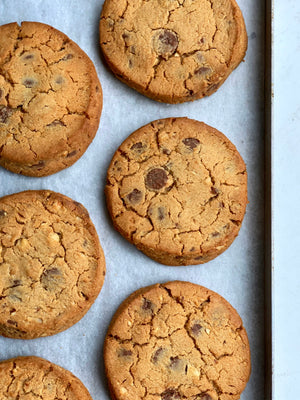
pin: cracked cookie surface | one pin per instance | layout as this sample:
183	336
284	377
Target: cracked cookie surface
173	50
176	341
52	266
50	99
33	377
177	189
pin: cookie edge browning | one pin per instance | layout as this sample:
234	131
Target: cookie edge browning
236	320
83	136
77	387
174	259
238	54
67	322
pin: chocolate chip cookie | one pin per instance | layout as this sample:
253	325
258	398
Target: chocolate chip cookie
33	377
177	189
52	266
176	341
173	50
50	99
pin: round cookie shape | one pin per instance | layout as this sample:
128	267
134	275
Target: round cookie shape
33	377
176	341
173	50
50	99
52	266
177	189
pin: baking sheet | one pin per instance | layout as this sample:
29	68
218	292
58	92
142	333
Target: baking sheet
237	110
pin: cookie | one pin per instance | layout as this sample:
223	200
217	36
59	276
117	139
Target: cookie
52	266
50	99
33	377
177	189
176	341
173	50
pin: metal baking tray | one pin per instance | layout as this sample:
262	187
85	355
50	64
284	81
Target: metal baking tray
241	109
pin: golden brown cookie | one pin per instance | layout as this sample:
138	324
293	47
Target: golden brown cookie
173	50
177	189
52	266
176	341
50	99
35	378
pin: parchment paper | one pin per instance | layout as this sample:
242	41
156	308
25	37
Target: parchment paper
237	110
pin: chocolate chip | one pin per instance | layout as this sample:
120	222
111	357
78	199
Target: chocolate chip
125	353
196	329
135	196
67	57
29	83
174	362
55	123
138	147
166	151
192	143
59	80
3	213
28	57
203	396
203	71
156	179
39	165
202	40
161	213
214	190
198	258
165	42
192	249
72	153
1	93
147	305
5	113
157	355
11	322
49	277
212	88
215	234
170	394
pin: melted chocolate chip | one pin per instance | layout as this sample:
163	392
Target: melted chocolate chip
3	213
174	362
29	83
156	179
170	394
72	153
203	71
166	151
165	42
147	305
5	113
157	355
196	329
125	353
191	143
135	196
161	213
